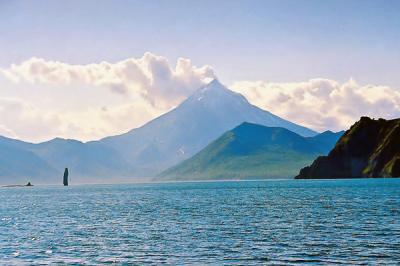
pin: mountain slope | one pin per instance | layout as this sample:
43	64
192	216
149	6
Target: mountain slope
252	151
180	133
18	164
370	148
21	162
87	161
143	152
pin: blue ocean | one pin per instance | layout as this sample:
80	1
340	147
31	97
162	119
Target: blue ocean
280	222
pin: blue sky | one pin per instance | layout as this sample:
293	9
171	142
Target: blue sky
321	64
257	40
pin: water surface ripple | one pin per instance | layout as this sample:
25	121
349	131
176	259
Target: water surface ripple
220	223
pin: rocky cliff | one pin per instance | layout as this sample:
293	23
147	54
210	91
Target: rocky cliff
370	148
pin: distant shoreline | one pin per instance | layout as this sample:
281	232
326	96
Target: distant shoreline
27	185
206	181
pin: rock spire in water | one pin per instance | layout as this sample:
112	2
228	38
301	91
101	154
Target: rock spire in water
65	179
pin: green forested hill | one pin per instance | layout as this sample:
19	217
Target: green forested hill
253	151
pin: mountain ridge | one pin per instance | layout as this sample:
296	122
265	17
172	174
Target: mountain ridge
202	117
251	151
144	152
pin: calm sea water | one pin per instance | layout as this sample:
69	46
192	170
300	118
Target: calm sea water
260	222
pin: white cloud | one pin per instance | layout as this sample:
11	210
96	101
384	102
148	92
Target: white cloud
42	99
25	121
20	119
151	76
322	104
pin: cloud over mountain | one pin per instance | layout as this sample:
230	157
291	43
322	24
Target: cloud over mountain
41	99
151	77
94	100
322	103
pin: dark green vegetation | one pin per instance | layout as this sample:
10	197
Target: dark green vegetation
370	148
253	151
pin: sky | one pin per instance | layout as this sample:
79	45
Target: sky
89	69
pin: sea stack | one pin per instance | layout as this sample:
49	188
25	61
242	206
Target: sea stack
65	179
